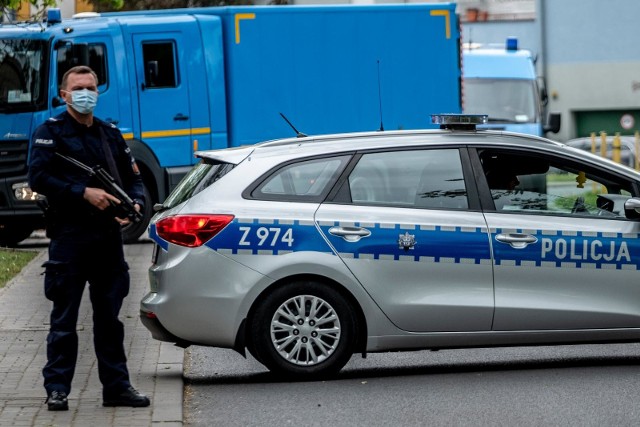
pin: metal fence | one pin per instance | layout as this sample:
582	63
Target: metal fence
620	149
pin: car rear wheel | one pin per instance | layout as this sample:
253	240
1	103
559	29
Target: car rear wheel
305	330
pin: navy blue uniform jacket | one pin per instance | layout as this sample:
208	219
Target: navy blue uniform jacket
63	183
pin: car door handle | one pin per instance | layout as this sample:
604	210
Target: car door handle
516	240
350	234
181	117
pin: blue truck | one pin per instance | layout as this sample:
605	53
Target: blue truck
182	80
501	81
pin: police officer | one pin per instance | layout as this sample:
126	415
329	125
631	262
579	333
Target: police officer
86	242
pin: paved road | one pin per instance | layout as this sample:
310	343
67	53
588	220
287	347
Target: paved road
547	386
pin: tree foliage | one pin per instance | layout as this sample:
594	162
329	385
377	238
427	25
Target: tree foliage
8	6
107	6
40	5
114	5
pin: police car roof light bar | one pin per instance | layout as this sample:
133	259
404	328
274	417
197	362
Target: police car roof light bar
459	121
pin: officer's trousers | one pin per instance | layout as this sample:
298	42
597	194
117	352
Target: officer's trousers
98	260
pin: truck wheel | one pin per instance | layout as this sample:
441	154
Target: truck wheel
11	235
305	330
132	232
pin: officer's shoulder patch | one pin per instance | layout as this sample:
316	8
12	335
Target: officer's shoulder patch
54	122
43	142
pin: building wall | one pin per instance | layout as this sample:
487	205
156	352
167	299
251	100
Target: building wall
67	8
593	60
589	53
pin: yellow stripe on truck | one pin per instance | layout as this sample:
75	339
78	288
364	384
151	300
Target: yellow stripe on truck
165	133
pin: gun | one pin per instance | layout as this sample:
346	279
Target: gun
126	207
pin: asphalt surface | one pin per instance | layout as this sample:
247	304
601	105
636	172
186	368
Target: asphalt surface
583	385
155	368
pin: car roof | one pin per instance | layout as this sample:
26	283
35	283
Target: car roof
349	142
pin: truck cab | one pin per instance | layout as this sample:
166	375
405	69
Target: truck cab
147	89
501	81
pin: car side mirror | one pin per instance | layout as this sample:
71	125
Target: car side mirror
632	208
553	123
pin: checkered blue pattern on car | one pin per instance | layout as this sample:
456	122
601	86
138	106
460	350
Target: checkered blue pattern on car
570	249
441	244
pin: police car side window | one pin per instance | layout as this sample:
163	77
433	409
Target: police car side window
304	180
527	183
431	179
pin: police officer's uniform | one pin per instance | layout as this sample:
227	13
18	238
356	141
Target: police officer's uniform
86	246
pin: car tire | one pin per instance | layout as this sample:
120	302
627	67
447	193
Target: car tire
309	343
132	232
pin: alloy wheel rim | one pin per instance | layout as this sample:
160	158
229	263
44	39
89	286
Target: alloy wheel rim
305	330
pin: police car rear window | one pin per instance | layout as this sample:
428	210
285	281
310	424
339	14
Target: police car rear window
199	177
307	180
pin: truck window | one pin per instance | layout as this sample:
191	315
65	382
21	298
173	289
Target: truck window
97	60
159	64
503	100
22	79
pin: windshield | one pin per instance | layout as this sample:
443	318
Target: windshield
508	101
23	74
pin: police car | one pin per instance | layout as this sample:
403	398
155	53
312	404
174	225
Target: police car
308	250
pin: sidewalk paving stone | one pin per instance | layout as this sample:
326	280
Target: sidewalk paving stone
155	368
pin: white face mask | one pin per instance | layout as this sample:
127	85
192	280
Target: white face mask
84	101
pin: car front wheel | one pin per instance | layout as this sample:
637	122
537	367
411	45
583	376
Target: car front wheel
304	330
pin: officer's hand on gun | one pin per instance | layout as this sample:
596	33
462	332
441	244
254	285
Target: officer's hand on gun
102	200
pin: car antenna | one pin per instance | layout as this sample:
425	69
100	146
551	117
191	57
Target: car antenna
298	133
380	98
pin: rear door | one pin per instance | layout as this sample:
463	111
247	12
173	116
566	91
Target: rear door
405	223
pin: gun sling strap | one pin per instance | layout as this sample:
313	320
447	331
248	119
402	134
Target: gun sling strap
111	163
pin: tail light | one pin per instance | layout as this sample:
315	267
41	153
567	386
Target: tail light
191	230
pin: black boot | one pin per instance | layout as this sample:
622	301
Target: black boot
57	401
129	397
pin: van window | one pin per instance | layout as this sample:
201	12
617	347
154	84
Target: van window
97	61
159	64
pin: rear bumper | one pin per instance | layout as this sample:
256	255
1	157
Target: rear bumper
159	332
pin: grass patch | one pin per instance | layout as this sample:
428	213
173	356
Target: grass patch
561	177
12	262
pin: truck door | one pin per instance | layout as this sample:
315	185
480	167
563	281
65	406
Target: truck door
163	80
113	106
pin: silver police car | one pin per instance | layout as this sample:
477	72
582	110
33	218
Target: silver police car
305	251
